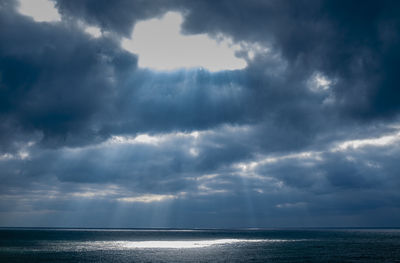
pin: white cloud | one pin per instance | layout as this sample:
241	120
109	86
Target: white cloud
155	139
22	154
161	46
380	141
292	205
39	10
320	82
250	166
93	31
148	198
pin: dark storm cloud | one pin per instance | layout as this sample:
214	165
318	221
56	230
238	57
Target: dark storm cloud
72	89
116	16
357	44
54	79
272	89
308	36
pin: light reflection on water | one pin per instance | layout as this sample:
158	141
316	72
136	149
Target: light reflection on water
153	244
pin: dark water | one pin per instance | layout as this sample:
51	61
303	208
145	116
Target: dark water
274	245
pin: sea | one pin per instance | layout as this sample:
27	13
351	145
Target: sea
199	245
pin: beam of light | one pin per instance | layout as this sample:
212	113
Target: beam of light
161	46
39	10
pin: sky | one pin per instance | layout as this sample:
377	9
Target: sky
199	114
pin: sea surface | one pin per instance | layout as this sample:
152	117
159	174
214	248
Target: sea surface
191	245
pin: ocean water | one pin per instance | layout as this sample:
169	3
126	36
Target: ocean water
169	245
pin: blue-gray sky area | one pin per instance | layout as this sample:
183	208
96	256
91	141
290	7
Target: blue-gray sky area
199	114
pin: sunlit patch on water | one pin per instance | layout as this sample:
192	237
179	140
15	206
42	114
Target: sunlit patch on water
171	244
181	243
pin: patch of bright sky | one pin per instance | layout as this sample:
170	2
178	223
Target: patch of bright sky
39	10
161	46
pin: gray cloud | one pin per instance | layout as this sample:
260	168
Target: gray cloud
73	109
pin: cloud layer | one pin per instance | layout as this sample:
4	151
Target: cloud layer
306	135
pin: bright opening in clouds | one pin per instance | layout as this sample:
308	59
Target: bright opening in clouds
39	10
160	45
